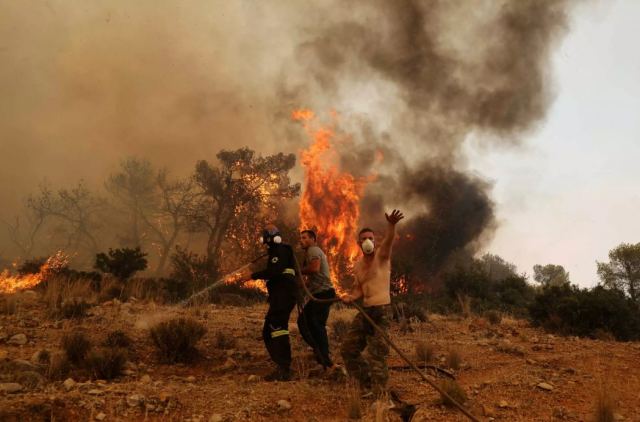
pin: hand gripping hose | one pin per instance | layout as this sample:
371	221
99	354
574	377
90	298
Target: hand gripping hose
218	282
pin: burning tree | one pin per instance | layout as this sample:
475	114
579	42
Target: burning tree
235	198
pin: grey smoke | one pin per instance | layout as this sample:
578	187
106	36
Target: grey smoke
85	84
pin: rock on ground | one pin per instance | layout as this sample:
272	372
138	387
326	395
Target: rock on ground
10	387
18	340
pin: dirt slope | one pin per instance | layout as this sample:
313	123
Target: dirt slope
502	371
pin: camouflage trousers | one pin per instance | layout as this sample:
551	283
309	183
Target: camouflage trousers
371	372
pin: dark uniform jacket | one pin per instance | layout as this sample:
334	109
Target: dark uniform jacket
280	265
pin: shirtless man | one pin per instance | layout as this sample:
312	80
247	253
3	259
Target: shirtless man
372	284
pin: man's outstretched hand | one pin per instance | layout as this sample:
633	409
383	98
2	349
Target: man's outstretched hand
394	217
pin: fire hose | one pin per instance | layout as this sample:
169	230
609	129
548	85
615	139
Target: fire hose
360	309
386	338
219	282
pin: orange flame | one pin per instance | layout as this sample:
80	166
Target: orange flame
256	284
235	278
330	199
12	284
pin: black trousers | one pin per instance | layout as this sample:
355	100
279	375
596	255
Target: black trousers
312	323
275	333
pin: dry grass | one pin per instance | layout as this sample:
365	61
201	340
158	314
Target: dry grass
29	379
111	289
510	348
453	391
60	291
43	357
74	309
454	359
106	363
76	345
465	304
494	317
425	352
339	328
224	341
118	338
9	303
176	339
340	311
381	409
59	366
354	400
603	335
605	407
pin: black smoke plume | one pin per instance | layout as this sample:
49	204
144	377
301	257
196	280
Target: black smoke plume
446	71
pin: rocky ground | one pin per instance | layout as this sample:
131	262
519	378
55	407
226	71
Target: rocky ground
510	371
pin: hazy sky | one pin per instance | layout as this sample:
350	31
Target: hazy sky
572	192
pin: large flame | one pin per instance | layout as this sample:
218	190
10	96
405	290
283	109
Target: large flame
53	264
12	284
330	198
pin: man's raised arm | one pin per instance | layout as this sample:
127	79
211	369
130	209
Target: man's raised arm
387	242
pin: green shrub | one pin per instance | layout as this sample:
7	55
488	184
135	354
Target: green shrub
176	339
509	294
106	363
190	268
74	308
122	263
570	310
118	338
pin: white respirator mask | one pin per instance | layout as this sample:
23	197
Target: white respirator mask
368	246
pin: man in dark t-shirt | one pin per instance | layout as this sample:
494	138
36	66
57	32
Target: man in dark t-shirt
312	320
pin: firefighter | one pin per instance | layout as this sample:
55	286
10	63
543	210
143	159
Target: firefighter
282	290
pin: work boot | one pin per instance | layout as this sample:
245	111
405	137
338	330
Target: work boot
280	374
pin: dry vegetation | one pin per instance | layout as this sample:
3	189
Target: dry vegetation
139	360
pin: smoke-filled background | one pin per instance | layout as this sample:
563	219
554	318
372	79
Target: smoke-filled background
85	84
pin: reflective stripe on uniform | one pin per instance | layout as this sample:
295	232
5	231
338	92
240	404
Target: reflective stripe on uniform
289	271
279	333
